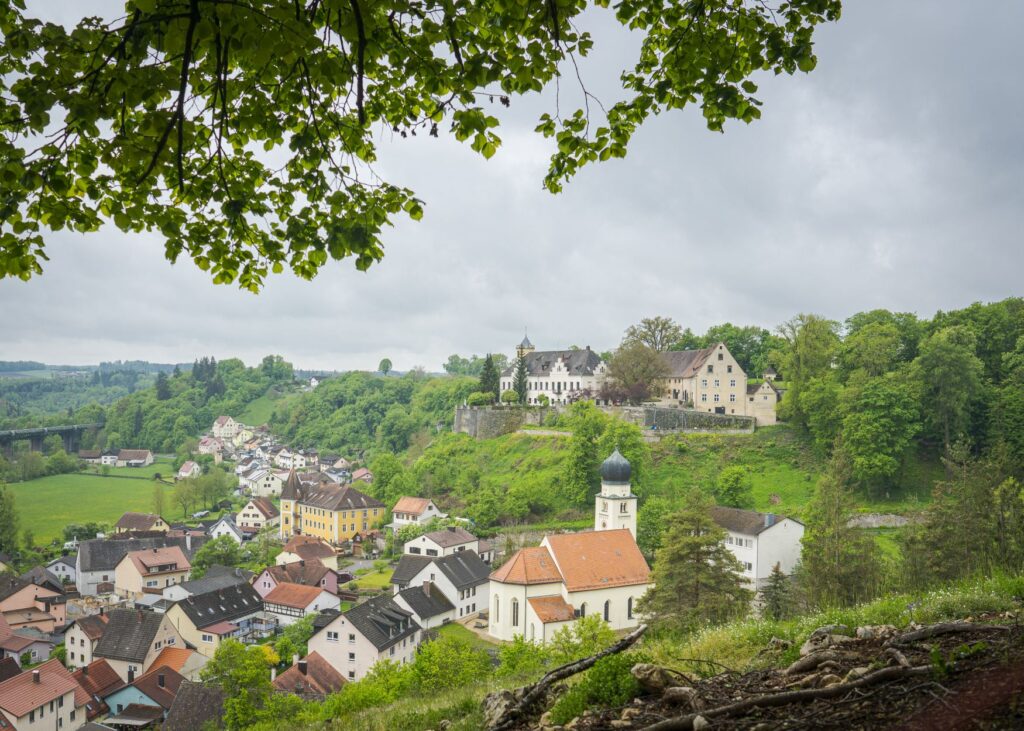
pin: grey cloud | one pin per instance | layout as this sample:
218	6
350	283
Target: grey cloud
889	177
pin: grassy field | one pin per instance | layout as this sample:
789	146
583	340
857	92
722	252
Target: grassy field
48	504
259	411
162	467
454	629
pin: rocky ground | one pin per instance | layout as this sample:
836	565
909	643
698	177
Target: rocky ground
966	675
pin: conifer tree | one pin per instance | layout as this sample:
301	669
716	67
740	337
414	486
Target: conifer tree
696	578
489	379
519	382
163	388
776	598
841	564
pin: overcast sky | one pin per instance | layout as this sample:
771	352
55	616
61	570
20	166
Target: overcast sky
892	176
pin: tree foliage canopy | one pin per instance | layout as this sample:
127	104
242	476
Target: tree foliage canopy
244	131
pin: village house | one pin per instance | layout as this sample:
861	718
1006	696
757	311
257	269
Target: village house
189	469
356	640
224	427
308	548
43	577
243	437
63	568
46	697
329	511
541	589
132	639
150	571
109	459
447	541
563	376
414	511
81	637
226	526
98	680
188	663
290	460
90	456
211	445
29	642
291	602
98	557
462	578
196	706
258	513
263	482
362	475
310	572
216	577
25	605
430	608
155	690
140	523
762	399
206	620
760	541
311	678
134	458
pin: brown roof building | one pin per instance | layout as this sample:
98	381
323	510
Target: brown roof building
312	678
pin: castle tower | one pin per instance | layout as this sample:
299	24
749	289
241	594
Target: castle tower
616	504
524	348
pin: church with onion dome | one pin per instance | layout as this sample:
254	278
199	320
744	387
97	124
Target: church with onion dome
541	589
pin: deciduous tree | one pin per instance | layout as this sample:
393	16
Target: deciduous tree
951	376
384	366
658	333
152	119
636	373
734	488
8	521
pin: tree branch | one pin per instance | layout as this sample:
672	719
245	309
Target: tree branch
360	59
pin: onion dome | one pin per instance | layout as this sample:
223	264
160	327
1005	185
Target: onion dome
616	469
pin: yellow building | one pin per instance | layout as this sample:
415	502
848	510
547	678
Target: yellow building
326	510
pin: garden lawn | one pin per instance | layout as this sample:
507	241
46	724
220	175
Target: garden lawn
45	506
375	579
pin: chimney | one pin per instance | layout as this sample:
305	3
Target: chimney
273	674
426	587
295	659
302	563
139	613
101	611
35	676
85	670
131	676
302	666
769	520
451	528
161	680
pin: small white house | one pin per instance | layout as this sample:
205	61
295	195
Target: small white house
447	541
189	469
64	568
414	510
378	629
462	578
258	513
430	608
226	527
759	541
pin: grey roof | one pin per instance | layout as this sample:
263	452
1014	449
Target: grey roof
685	363
221	605
526	342
408	567
68	560
219	570
212	582
381	621
43	577
464	569
577	362
10	584
101	554
450	536
747	522
424	605
128	635
195	706
324	618
616	469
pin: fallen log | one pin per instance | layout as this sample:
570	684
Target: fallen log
538	690
809	662
943	628
685	723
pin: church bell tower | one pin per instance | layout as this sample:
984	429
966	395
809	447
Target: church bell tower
616	504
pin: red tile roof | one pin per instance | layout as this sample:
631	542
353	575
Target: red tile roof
157	557
298	596
150	684
22	694
552	608
266	507
93	626
319	679
414	505
528	566
98	679
221	628
599	559
173	657
308	547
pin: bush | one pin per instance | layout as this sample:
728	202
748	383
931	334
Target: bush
479	398
449	662
509	397
608	684
520	657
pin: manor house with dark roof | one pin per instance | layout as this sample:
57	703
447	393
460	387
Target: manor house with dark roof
563	376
